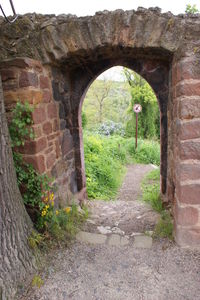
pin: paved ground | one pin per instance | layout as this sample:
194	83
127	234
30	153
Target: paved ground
113	258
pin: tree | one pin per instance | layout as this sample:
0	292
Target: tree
98	93
16	259
149	118
191	9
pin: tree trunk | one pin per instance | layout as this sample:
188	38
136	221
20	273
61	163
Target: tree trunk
16	259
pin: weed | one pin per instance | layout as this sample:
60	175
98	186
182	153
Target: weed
35	239
151	190
37	281
164	227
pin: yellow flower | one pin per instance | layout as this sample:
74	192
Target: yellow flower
57	212
67	209
44	212
46	199
51	196
52	203
46	206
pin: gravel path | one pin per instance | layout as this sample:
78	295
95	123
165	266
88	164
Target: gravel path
132	271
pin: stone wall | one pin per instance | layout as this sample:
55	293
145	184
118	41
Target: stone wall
51	152
68	53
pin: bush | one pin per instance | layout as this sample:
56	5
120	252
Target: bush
104	159
111	128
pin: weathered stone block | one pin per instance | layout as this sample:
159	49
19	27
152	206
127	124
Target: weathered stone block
47	127
37	162
191	88
188	193
188	171
44	82
33	147
52	111
189	107
189	129
55	125
186	216
187	237
67	143
39	115
22	62
47	96
50	160
37	131
23	95
190	149
7	74
28	79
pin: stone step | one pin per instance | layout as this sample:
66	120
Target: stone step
139	241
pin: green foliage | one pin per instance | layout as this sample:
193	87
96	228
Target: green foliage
33	187
149	118
37	281
164	227
84	120
151	195
147	151
35	239
151	191
104	158
191	9
19	127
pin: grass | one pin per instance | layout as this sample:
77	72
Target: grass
151	195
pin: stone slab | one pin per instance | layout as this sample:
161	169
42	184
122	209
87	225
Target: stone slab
91	238
142	241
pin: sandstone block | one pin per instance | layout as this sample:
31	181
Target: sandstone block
188	237
44	82
23	95
37	162
52	111
188	89
28	79
67	143
186	216
22	62
47	96
188	193
189	129
189	108
33	147
188	171
47	127
189	149
39	115
50	160
7	74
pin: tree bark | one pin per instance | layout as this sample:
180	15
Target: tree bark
16	259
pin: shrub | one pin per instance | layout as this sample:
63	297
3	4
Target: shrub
111	128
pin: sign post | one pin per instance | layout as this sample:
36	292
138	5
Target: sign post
137	108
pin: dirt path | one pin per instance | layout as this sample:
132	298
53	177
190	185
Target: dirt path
113	259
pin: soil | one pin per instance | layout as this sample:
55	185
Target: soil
157	271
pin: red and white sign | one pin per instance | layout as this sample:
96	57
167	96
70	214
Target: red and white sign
137	108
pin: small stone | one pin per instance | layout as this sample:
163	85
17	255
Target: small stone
117	230
91	222
104	230
136	233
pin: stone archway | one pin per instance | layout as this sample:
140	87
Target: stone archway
72	52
